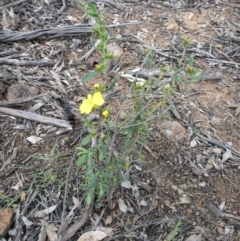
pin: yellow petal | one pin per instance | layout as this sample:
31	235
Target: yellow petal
89	97
87	105
97	99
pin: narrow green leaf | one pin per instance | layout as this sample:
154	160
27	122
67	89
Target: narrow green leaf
190	62
176	50
86	140
92	8
113	83
82	159
101	191
90	76
112	40
177	78
80	4
196	78
89	198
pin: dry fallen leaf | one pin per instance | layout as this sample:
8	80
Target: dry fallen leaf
58	81
26	221
34	139
76	202
194	237
93	236
109	220
46	2
51	232
42	235
237	111
143	203
44	212
193	143
122	206
168	204
227	155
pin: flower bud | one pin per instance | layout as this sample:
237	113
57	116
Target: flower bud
96	86
105	114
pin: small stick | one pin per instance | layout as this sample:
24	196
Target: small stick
90	51
99	219
21	100
218	213
173	109
63	7
75	227
36	117
12	4
27	63
66	192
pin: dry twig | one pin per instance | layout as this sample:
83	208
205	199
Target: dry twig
12	4
36	117
27	63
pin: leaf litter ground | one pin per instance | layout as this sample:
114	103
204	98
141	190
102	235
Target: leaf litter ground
181	180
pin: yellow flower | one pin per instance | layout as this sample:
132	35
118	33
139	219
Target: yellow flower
96	86
92	101
105	114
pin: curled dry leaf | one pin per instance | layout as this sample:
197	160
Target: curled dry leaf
93	236
34	139
122	206
76	202
128	185
51	232
180	191
42	235
168	204
227	155
109	220
143	203
193	143
44	212
58	81
222	205
184	200
26	221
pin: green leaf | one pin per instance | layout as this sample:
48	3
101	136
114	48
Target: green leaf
112	40
86	140
190	62
82	159
92	8
196	78
101	191
113	83
177	78
90	76
89	198
176	50
80	4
